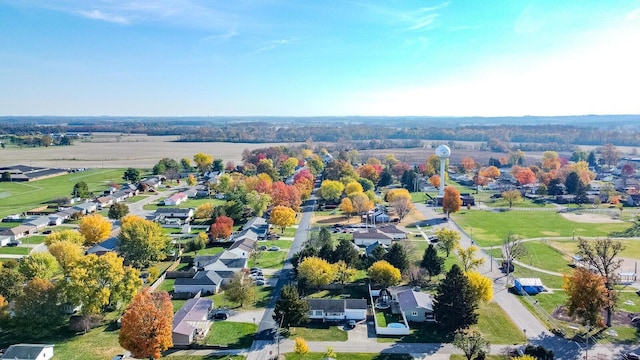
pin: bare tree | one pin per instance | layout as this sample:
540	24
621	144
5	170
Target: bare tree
601	256
512	248
403	206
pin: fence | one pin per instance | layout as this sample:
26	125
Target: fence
161	278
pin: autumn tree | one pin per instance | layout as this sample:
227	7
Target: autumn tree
361	203
352	188
481	285
431	261
203	161
97	281
550	161
468	164
282	217
240	290
403	206
344	274
331	190
383	273
434	180
118	210
286	195
455	302
290	309
610	154
468	258
191	180
316	272
221	228
451	201
300	346
142	241
586	295
523	175
147	325
346	206
204	211
288	166
512	196
186	165
490	172
257	202
4	313
94	228
602	255
369	171
42	265
472	344
37	309
65	235
448	239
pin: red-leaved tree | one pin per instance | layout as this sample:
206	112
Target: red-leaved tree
222	228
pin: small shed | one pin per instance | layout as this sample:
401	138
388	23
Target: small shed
531	286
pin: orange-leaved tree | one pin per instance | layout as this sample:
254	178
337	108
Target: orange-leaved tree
222	228
586	294
146	325
451	201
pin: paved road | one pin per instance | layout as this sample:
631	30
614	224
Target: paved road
265	344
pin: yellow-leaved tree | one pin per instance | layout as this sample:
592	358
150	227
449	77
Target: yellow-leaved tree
316	272
331	190
191	180
66	252
300	346
282	217
146	325
203	161
347	207
353	187
65	235
94	228
481	285
383	273
468	258
448	239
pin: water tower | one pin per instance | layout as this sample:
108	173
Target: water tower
442	152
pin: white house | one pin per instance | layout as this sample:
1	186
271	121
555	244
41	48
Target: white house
176	199
337	309
366	238
4	240
29	352
393	231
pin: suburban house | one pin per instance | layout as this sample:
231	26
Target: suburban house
55	220
337	309
86	207
18	232
204	282
416	305
395	232
243	247
29	352
4	240
257	225
176	199
103	247
226	260
162	214
39	222
368	237
369	250
191	321
152	183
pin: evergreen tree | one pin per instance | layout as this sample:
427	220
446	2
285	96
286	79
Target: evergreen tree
306	252
572	183
591	159
408	180
431	261
347	253
385	178
455	305
398	257
326	252
290	310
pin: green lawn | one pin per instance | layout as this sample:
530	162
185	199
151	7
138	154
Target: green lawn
318	332
282	244
543	256
269	260
233	335
491	228
206	251
205	357
351	356
33	239
137	198
385	317
9	225
15	250
496	326
23	196
263	295
548	280
631	247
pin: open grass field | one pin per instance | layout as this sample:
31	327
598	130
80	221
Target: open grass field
16	250
18	197
351	356
631	247
491	228
205	357
269	260
233	335
496	326
543	256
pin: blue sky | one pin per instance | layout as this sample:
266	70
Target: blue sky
308	58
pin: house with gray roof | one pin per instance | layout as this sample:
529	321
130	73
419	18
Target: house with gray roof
416	305
205	282
191	321
368	237
369	249
29	352
337	309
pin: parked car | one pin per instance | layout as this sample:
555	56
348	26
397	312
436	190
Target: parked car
274	248
255	269
220	315
260	282
273	236
631	356
14	243
262	247
351	324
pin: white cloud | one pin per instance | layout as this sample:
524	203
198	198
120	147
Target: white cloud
100	15
633	15
275	43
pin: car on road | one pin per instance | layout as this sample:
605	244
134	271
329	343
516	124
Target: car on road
274	248
14	243
631	356
260	282
351	324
